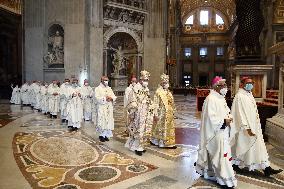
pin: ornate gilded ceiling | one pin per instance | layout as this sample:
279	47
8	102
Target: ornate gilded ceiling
227	7
14	6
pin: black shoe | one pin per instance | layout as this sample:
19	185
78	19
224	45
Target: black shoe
70	128
102	139
50	116
269	171
144	151
63	120
236	168
152	143
74	129
139	153
169	147
55	117
226	187
106	139
44	113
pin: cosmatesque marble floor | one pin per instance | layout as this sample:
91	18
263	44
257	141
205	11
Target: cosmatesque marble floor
38	152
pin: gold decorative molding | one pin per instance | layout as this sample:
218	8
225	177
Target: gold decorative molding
14	6
226	7
279	12
277	48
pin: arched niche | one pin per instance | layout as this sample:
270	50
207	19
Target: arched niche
122	60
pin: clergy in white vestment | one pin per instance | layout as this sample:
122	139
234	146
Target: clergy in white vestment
249	149
64	94
86	92
105	99
140	115
126	101
44	98
214	156
75	106
94	107
16	95
25	93
53	99
37	95
32	94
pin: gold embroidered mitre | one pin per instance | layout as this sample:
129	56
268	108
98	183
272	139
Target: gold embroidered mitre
164	78
144	75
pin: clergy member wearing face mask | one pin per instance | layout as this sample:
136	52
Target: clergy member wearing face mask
64	88
105	99
139	113
87	91
163	130
214	155
126	100
74	106
53	103
249	149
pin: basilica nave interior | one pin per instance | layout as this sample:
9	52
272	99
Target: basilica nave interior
192	41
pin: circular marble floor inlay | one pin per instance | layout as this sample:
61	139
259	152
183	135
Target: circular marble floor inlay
67	186
64	151
137	168
98	174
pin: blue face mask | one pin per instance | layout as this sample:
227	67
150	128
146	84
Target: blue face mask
248	87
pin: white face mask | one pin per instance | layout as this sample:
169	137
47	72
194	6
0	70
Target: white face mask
106	83
86	84
67	83
166	86
224	91
145	83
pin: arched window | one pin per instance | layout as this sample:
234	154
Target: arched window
189	20
204	15
219	20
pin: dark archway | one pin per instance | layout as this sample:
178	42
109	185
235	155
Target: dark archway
10	51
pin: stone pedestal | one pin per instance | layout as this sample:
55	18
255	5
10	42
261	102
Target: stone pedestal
257	72
119	83
50	74
275	125
275	131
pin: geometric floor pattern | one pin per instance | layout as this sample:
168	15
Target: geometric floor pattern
60	159
39	152
187	129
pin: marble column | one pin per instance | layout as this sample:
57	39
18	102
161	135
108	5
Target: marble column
96	41
155	40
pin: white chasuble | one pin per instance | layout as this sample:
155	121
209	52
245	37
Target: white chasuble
140	111
87	92
248	151
105	120
214	155
53	93
75	107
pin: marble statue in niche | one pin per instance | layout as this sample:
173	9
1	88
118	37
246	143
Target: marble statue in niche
119	60
55	52
56	43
